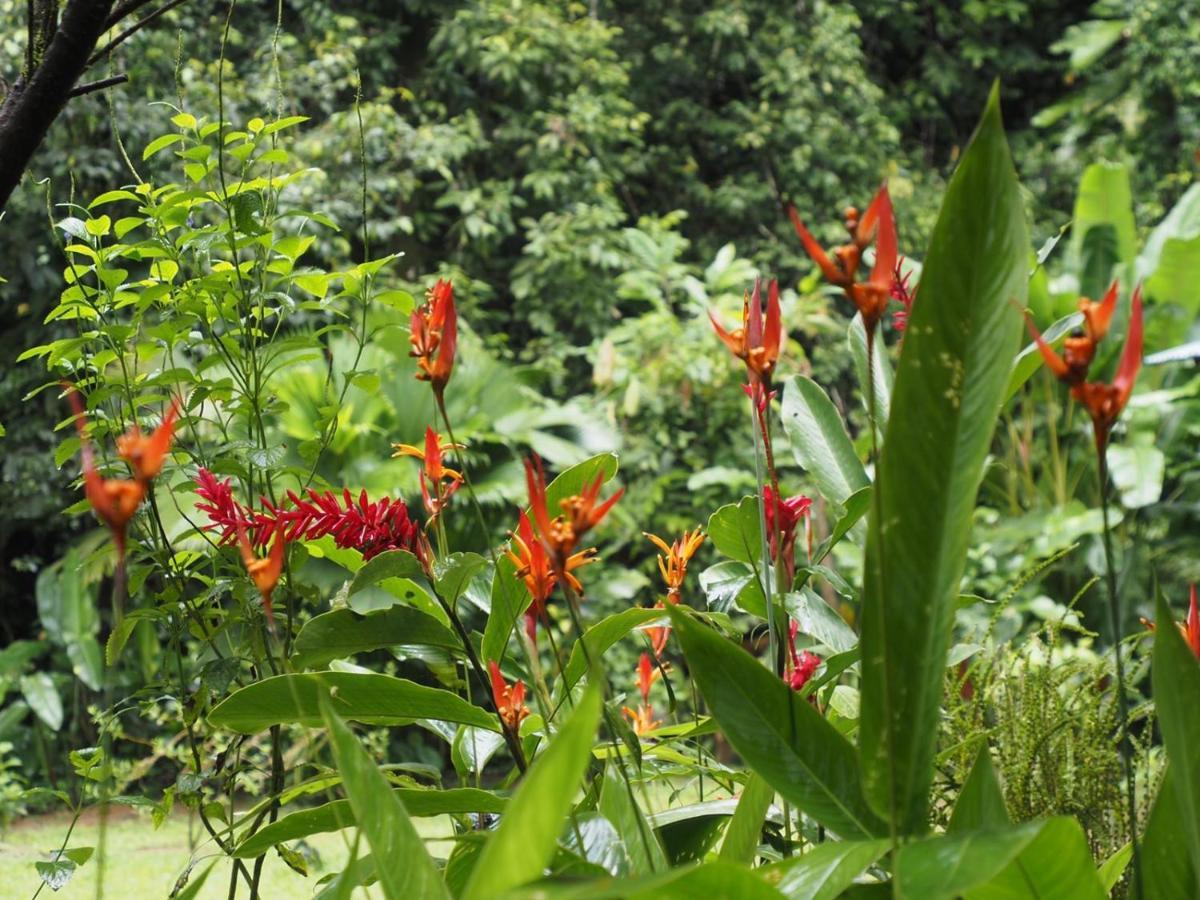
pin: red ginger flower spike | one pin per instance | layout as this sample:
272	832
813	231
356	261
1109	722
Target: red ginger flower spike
510	701
434	336
783	517
757	342
146	455
800	666
673	562
264	572
878	224
115	500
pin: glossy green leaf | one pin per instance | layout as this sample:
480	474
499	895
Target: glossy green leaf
518	851
381	817
338	814
1104	201
389	564
510	599
1167	870
958	352
1170	261
42	696
367	697
640	842
881	369
819	440
1176	680
343	632
735	531
819	620
853	510
716	880
603	635
824	871
1114	867
454	574
1048	859
744	832
779	734
573	480
1029	360
980	803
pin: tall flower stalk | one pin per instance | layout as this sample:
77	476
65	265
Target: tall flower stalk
1104	402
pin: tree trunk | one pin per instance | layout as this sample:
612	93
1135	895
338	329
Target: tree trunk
42	92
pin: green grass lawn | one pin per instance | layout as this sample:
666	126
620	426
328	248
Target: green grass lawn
144	862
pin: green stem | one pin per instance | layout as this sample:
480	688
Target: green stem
1114	623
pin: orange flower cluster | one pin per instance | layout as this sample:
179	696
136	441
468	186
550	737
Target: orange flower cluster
438	482
434	336
1104	402
758	341
115	500
509	699
877	225
672	564
642	718
264	572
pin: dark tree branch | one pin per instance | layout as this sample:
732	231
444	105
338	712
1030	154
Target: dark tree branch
92	86
131	31
40	95
123	11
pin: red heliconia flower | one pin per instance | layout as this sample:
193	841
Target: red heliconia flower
647	674
878	224
264	572
659	634
510	701
903	294
146	455
434	336
642	719
438	482
757	342
783	517
115	500
1104	402
799	667
529	555
580	512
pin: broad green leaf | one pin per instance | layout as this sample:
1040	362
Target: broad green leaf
744	832
819	441
826	870
338	814
779	734
454	574
819	620
1114	867
518	851
640	841
1170	261
381	817
1137	471
853	510
881	369
980	803
603	635
367	697
1176	680
42	696
1036	859
731	583
958	351
389	564
510	599
343	632
735	531
1167	870
1104	201
1089	40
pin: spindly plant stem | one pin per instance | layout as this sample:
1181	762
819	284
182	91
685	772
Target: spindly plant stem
1114	621
764	543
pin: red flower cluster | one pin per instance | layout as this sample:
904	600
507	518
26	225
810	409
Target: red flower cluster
801	666
903	294
369	527
783	518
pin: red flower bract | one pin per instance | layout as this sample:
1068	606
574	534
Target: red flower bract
353	523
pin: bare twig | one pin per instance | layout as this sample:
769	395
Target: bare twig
93	86
130	32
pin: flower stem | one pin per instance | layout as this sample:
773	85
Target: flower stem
1124	743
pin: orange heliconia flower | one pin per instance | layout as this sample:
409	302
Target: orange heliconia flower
642	719
145	455
529	555
757	342
264	572
673	561
438	482
115	500
434	336
878	224
1104	402
510	701
580	513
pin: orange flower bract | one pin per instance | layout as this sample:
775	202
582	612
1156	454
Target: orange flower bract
434	336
